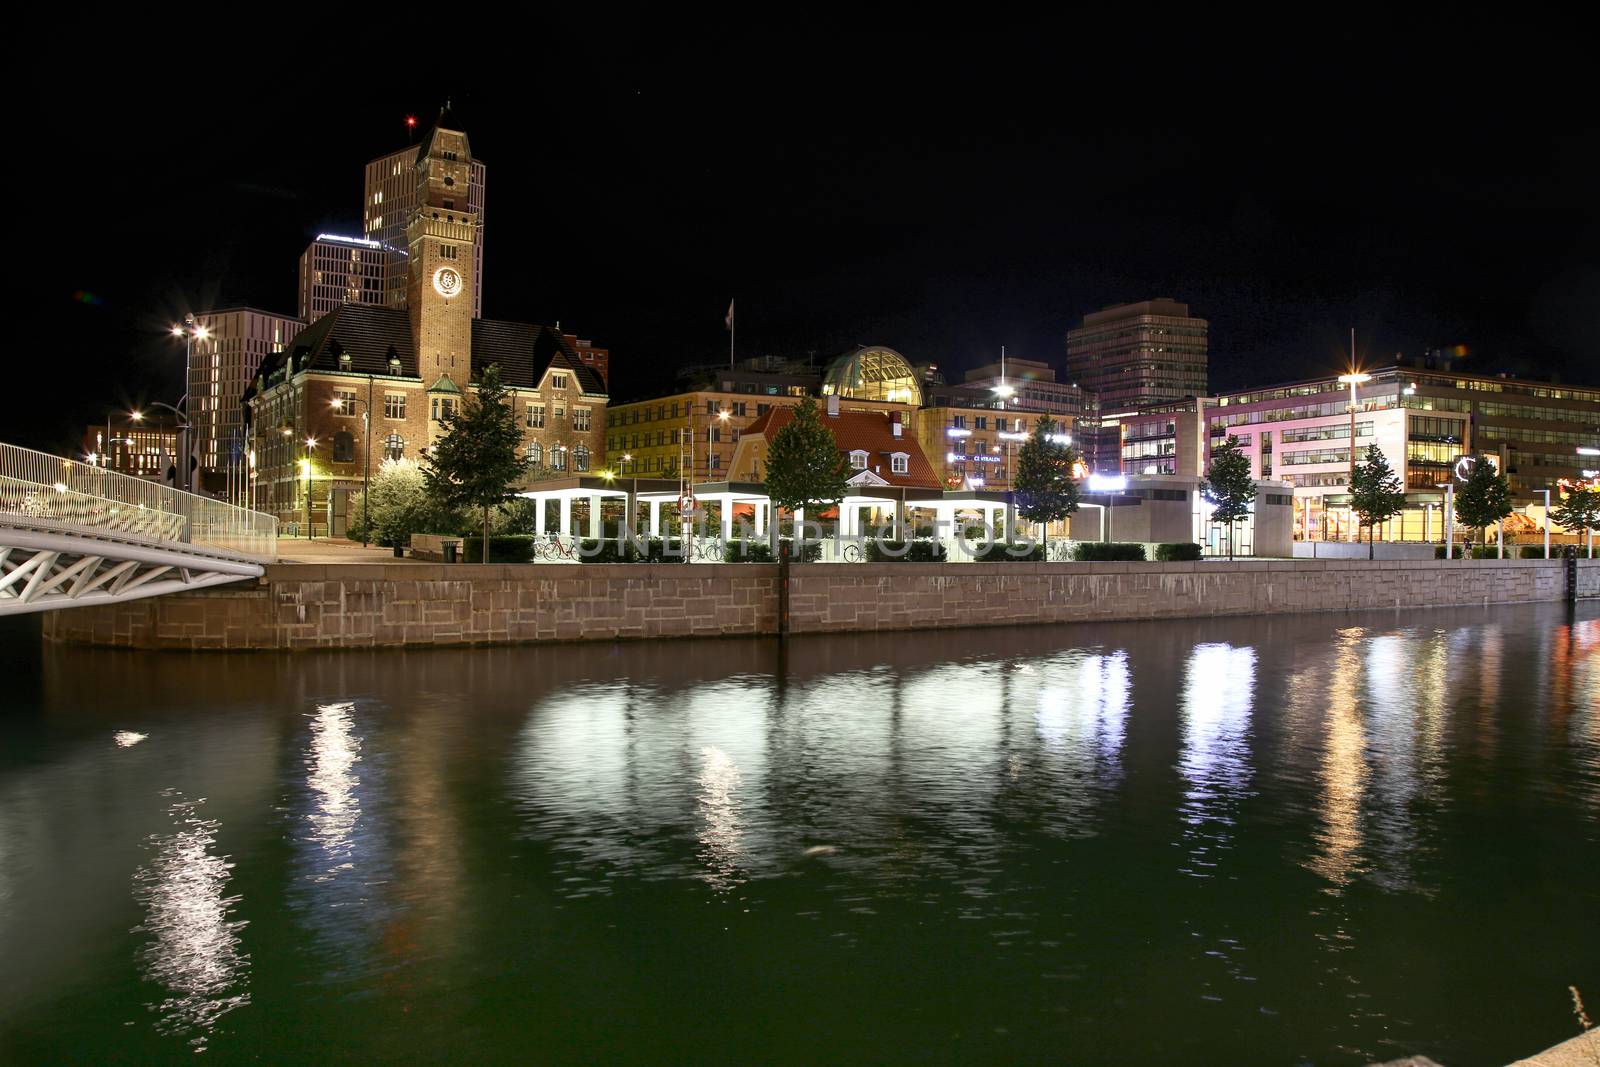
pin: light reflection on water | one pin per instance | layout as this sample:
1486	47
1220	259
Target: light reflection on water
193	945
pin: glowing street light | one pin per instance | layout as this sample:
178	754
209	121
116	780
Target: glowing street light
1353	379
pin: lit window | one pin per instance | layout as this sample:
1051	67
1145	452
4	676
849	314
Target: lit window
535	452
344	401
580	458
394	446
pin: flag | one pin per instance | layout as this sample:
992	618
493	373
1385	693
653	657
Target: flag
728	322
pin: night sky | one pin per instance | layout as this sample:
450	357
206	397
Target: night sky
1429	185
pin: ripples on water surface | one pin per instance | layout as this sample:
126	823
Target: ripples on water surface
1317	839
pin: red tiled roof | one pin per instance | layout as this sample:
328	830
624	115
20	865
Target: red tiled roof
867	431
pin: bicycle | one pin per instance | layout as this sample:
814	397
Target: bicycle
554	551
852	553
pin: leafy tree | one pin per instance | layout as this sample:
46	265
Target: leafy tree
1579	511
479	454
1485	499
1228	485
1376	492
400	506
1045	491
804	467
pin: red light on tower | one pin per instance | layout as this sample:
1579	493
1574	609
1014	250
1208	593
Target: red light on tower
411	122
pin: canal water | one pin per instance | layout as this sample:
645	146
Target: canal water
1318	839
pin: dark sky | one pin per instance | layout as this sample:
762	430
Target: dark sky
1427	184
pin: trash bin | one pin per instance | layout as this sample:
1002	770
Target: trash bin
450	550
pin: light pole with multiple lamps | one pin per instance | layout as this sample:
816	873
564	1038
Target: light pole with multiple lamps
190	331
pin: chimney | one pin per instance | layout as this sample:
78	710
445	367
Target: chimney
894	423
833	405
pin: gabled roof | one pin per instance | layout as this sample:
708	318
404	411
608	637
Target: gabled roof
866	431
445	121
371	335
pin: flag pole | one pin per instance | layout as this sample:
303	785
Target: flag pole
733	333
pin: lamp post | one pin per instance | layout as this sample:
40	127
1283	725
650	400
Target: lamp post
305	465
1353	379
366	455
190	331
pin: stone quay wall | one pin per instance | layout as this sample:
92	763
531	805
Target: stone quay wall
1588	578
306	606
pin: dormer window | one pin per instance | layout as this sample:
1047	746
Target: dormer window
858	460
899	462
558	381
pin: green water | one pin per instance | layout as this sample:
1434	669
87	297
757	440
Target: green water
1320	839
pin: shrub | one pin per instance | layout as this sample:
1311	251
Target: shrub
1438	552
744	550
809	553
1009	552
1536	552
506	548
1182	552
1108	552
918	550
604	550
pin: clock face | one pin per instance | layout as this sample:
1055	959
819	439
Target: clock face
447	281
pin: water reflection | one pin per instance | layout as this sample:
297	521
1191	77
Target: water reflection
193	947
1218	690
718	801
341	854
1344	770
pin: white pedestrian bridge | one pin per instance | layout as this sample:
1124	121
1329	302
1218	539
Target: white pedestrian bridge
75	534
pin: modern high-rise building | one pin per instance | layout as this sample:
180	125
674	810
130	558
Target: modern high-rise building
1137	354
389	199
338	270
223	356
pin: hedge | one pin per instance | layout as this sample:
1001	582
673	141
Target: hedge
503	548
1108	552
919	550
1480	552
1180	552
1003	552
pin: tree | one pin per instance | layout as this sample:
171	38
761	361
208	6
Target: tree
478	456
1484	499
1579	511
804	467
1228	485
400	506
1045	491
1376	492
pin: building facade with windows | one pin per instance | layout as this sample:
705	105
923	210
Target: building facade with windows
338	270
1425	418
1132	355
376	382
143	448
223	359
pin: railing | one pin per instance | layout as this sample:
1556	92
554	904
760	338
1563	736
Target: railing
41	489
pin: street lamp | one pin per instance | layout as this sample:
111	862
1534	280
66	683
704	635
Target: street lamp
190	331
305	466
1353	379
366	454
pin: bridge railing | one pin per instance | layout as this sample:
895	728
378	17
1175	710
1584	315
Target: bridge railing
50	490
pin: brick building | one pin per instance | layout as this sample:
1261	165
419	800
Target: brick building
368	382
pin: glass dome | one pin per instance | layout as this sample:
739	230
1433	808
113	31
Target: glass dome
873	373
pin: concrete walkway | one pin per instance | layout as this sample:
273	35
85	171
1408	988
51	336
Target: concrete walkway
330	550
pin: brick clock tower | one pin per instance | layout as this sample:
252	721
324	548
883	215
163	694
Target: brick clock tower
440	237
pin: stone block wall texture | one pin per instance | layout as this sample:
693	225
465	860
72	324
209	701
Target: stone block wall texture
299	606
1588	578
